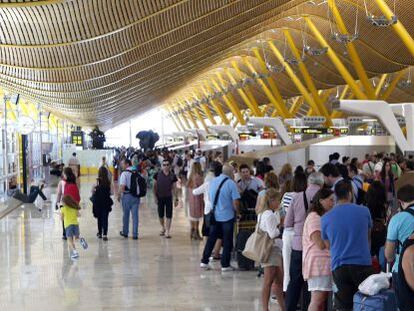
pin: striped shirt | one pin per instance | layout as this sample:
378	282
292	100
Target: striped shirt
316	262
286	201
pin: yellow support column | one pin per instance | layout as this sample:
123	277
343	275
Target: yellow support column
305	74
302	89
273	87
200	118
253	107
392	85
336	61
217	108
229	102
297	102
398	27
191	117
245	88
380	84
184	119
353	54
280	106
208	113
176	120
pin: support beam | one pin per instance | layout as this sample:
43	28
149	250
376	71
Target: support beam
184	119
246	88
306	75
380	85
398	27
200	118
297	103
217	108
392	85
229	101
252	106
302	89
177	120
352	52
208	113
279	105
335	60
273	87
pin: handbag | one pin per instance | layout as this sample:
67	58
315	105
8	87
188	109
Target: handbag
259	245
210	219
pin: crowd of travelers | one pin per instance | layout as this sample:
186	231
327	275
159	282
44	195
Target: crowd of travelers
331	227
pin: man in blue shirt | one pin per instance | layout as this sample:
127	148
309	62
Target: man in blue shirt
401	226
224	211
346	230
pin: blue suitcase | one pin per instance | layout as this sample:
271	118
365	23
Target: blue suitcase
384	301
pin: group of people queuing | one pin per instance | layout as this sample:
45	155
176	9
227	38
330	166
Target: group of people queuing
331	227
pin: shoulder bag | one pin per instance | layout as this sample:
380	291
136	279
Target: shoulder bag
210	218
259	245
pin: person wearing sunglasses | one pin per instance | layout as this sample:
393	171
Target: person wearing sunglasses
164	183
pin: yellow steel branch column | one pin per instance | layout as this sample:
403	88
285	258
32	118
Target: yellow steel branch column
200	118
229	102
245	88
344	92
177	121
297	103
217	108
253	107
191	117
353	54
380	85
273	87
305	74
173	119
336	61
208	113
179	115
398	27
280	106
392	85
302	89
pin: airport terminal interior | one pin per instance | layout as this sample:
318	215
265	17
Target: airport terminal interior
206	155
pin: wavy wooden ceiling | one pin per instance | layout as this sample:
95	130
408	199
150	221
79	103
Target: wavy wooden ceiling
103	61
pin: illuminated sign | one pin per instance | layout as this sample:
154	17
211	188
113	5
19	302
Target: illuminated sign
321	131
77	138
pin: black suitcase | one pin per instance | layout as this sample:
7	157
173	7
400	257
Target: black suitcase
241	239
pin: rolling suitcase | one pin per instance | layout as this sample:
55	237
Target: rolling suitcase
243	262
383	301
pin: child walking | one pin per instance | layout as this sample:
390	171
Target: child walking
69	215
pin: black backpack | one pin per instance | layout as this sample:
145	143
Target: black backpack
180	162
137	182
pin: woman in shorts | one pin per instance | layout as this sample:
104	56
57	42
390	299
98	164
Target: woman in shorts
268	220
316	258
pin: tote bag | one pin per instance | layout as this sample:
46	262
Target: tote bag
258	246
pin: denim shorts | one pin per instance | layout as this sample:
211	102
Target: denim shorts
72	231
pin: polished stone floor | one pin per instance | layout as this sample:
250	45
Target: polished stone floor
152	273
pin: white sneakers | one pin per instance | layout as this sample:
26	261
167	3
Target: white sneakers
206	266
228	269
74	254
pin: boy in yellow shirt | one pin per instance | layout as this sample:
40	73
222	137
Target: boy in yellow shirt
69	214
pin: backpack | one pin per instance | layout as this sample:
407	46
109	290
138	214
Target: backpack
400	243
72	190
138	187
180	162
